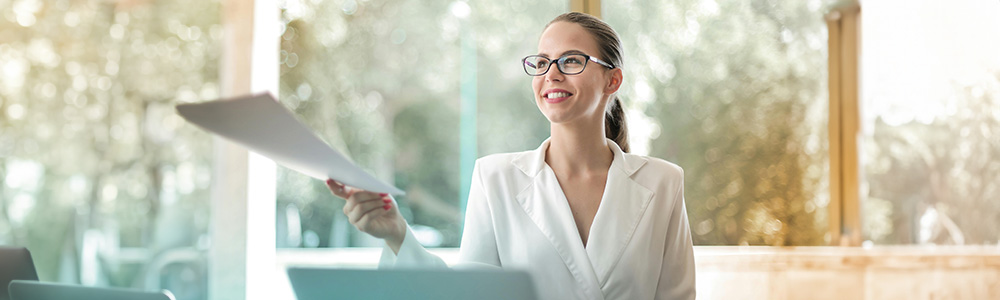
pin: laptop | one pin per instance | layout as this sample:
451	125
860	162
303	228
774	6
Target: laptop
34	290
317	283
15	263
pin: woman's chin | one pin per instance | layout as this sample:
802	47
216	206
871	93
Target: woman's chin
556	117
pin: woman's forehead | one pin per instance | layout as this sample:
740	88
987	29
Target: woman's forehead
561	37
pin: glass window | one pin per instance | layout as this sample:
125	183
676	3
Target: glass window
930	119
735	93
413	91
102	181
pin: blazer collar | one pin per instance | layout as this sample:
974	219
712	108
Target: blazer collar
532	162
622	206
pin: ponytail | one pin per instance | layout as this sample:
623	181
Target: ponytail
611	52
615	127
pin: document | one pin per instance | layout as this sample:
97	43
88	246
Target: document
262	125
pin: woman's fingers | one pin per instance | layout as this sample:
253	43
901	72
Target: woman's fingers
367	211
361	206
355	208
336	188
339	189
371	215
363	196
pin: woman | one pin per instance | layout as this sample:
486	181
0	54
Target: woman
584	217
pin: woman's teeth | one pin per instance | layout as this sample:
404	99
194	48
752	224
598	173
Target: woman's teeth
557	95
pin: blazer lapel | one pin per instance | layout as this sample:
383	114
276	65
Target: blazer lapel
547	207
621	209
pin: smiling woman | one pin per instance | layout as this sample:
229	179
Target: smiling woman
584	218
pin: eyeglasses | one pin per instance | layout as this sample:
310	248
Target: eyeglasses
572	64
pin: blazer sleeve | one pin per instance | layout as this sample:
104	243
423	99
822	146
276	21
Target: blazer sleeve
677	274
411	255
479	243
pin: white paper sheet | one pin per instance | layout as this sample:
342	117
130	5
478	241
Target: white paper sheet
263	125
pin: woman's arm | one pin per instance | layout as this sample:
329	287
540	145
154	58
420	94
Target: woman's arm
377	214
409	254
479	247
677	273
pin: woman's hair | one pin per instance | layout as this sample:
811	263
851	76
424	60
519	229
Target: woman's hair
611	52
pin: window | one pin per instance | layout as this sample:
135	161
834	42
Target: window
735	93
930	119
107	186
102	181
414	91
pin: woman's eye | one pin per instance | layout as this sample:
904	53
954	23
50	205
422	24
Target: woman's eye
573	60
542	65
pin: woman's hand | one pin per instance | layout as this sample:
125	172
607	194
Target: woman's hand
372	213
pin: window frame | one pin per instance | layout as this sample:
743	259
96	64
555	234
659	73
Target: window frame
844	25
242	254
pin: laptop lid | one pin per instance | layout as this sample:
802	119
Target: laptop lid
317	283
15	263
34	290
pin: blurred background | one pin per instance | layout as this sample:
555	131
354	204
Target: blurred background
107	186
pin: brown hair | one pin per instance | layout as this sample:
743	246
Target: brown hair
611	52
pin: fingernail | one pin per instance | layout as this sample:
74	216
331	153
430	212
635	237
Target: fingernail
386	200
383	194
386	207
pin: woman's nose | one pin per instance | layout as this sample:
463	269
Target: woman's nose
554	74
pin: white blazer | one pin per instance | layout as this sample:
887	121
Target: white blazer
518	217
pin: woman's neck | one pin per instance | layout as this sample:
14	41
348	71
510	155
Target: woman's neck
575	149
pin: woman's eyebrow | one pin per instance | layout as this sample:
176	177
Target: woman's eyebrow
567	52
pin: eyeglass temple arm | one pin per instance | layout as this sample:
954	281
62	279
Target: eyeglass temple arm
601	62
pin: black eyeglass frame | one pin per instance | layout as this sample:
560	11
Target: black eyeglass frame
559	62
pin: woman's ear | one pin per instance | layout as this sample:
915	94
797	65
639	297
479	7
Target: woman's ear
615	83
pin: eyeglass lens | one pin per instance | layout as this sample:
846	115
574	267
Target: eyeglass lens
569	64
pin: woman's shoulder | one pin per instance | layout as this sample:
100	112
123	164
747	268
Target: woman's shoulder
655	173
649	164
501	158
500	162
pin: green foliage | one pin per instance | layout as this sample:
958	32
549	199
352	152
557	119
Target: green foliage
86	97
951	168
737	90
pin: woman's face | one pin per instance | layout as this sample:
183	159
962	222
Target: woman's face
572	98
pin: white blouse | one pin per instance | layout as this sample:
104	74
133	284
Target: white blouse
518	217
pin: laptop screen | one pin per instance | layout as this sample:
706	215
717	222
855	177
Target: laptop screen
32	290
410	284
15	264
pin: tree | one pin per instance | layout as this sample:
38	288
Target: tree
88	94
935	182
737	89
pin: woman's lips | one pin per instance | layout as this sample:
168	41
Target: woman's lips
556	95
556	100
